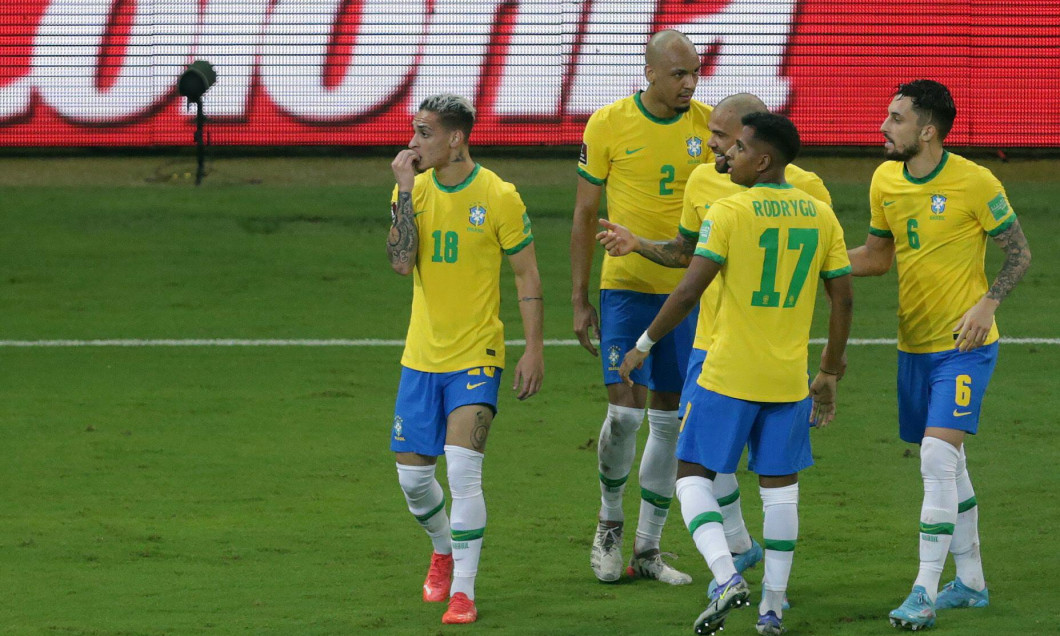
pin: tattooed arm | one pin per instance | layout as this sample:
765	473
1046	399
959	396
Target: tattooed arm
403	241
619	241
974	326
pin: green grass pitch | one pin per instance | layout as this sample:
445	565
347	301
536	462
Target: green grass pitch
250	490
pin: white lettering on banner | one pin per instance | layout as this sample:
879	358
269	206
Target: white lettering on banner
66	57
539	50
295	53
230	37
14	98
457	41
398	43
752	36
611	60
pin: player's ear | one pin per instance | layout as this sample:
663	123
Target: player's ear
649	74
929	132
456	138
765	160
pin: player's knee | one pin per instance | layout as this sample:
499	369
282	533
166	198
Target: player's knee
464	471
623	421
415	481
665	426
938	459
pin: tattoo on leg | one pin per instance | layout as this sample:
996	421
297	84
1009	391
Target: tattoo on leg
479	431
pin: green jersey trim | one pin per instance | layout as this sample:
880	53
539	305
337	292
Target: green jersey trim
705	253
590	178
518	248
934	173
1006	224
687	233
880	233
775	186
658	120
836	273
458	187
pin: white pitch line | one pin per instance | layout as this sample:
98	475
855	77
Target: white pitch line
127	342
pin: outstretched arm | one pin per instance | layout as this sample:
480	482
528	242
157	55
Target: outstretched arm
701	271
586	206
874	258
403	241
618	240
974	326
530	372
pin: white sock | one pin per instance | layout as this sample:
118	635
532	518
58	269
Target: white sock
469	516
965	543
727	490
426	502
703	519
780	530
938	515
616	451
658	471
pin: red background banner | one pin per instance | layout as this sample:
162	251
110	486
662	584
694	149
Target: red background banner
349	72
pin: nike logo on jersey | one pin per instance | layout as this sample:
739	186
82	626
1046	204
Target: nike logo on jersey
474	386
415	214
957	413
886	203
629	152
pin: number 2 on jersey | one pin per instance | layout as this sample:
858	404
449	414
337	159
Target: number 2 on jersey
802	239
668	174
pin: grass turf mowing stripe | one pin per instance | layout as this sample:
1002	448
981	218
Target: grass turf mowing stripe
372	342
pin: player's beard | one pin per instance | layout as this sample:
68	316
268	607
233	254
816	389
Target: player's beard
682	109
901	154
723	167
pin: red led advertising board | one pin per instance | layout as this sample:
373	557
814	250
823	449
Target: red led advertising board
350	72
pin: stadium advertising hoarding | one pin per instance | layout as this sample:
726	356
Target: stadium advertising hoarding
104	72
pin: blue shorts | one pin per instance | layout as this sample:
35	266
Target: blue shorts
624	315
425	400
695	369
943	389
717	427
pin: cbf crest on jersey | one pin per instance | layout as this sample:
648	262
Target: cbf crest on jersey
476	215
695	146
938	204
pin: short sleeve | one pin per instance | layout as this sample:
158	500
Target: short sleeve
691	215
991	206
836	262
715	232
812	185
878	225
594	160
513	223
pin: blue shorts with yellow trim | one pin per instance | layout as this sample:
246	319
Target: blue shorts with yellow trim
943	389
695	369
716	428
624	315
425	400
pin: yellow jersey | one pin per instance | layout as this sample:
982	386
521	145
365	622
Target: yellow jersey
939	225
707	185
773	242
463	231
643	163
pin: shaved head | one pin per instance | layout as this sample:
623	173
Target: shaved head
666	45
725	124
742	104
